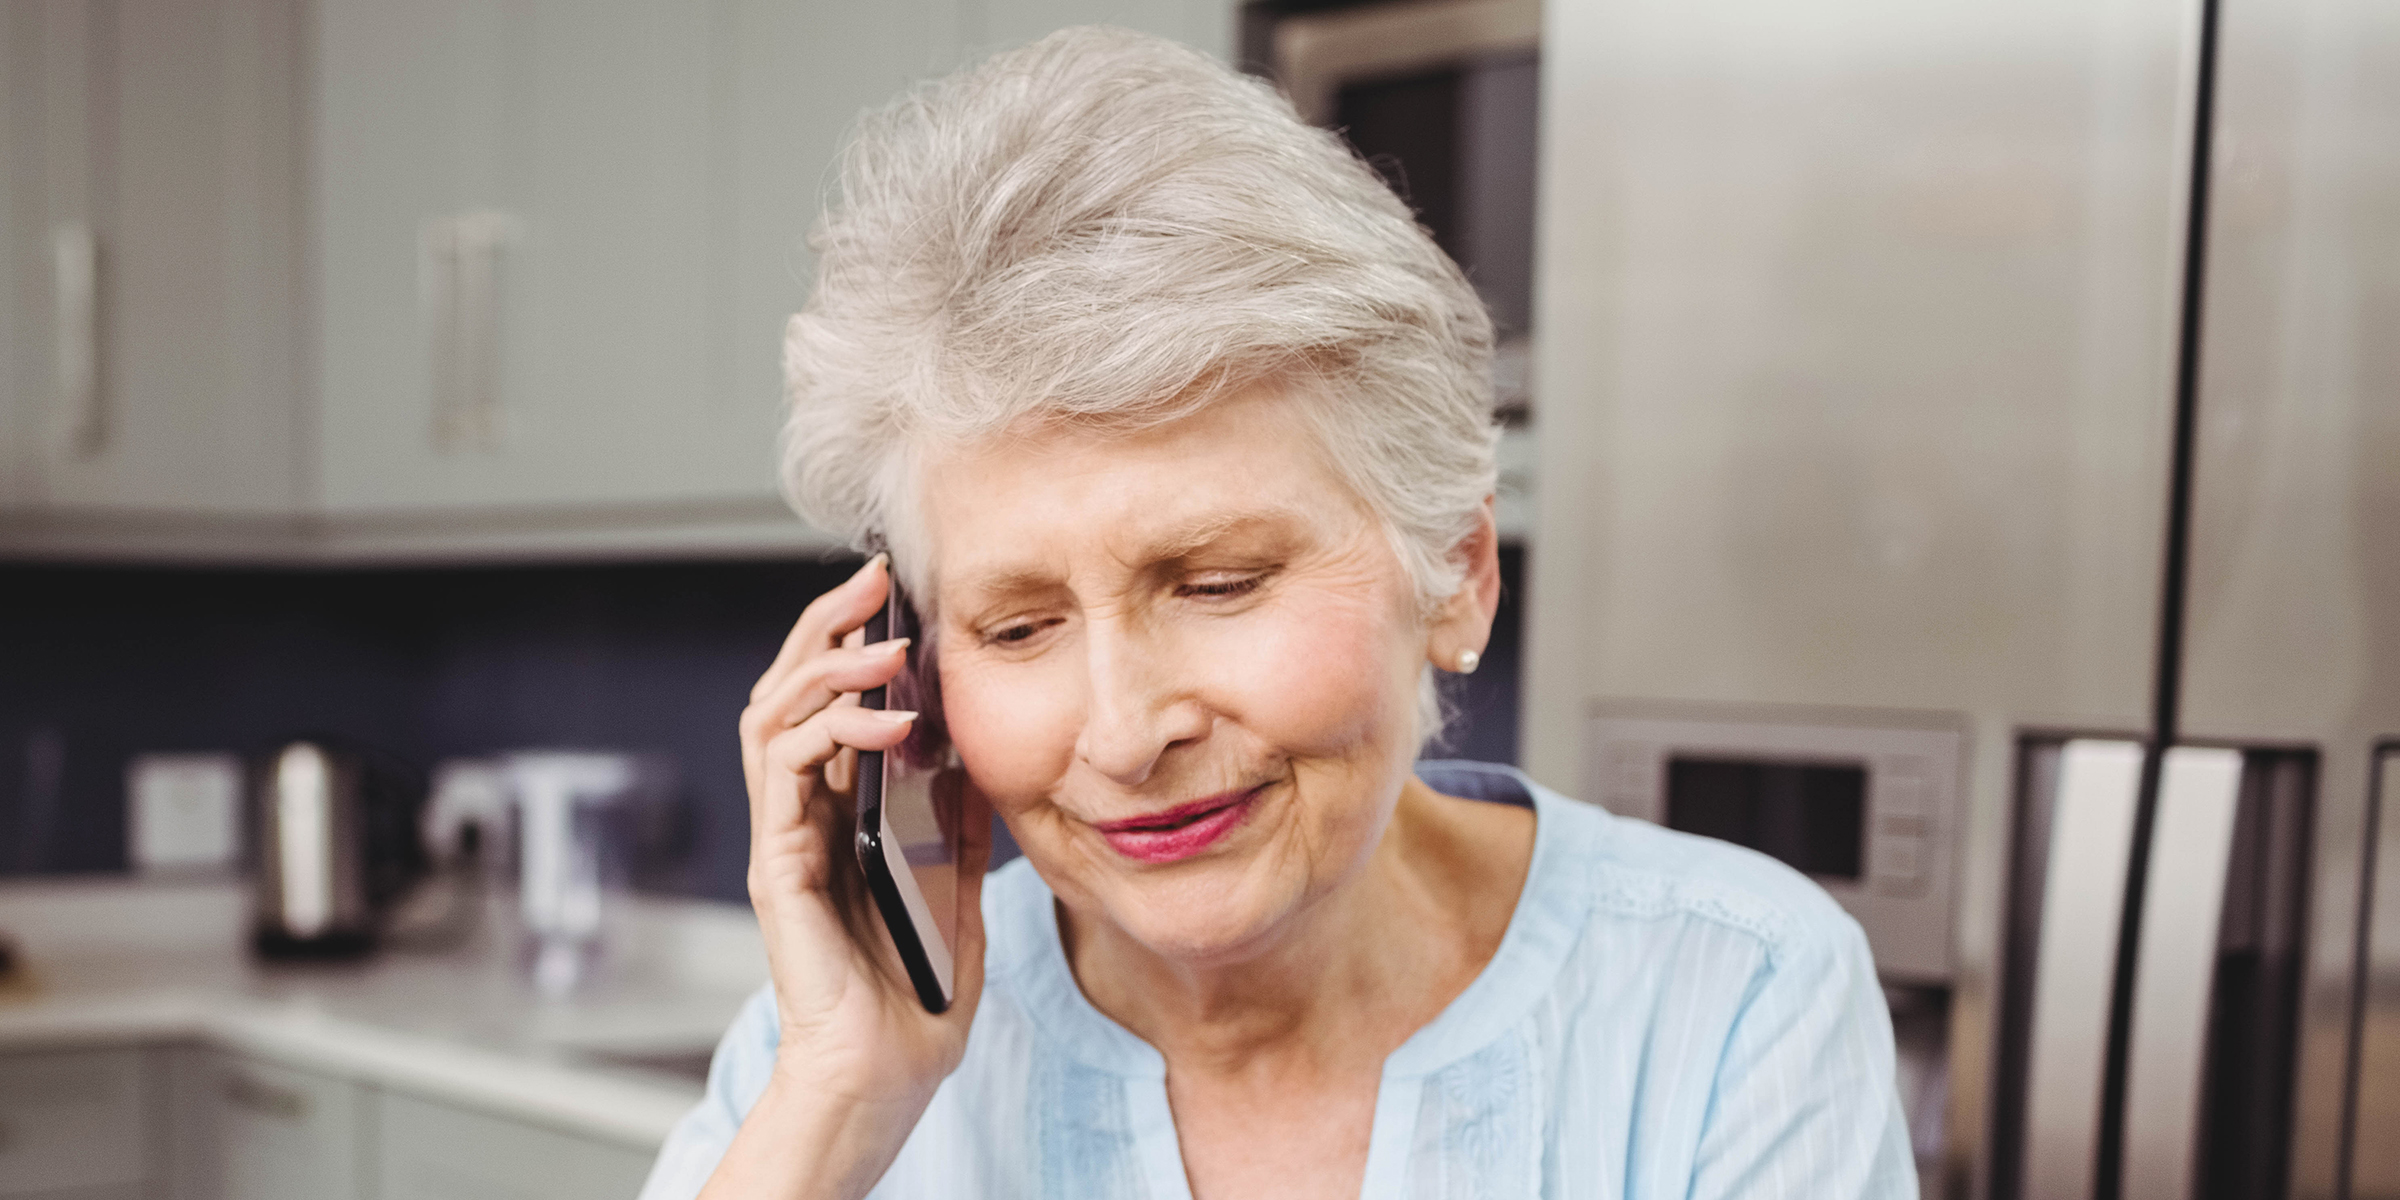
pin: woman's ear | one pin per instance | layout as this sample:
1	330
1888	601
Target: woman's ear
1463	627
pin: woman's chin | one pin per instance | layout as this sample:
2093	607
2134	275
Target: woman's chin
1204	919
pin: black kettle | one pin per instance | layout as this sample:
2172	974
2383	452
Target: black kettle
334	843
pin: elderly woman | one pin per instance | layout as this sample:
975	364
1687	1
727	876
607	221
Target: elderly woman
1177	428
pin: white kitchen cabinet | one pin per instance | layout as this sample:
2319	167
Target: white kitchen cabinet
1206	24
20	67
430	1151
804	72
650	169
167	132
81	1123
585	143
248	1129
436	280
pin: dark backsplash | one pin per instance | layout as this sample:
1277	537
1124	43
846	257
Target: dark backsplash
98	664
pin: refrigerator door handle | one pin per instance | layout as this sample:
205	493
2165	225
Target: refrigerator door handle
2199	794
2370	1165
2083	889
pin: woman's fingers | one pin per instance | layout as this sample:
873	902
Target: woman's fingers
789	757
826	619
816	682
799	880
825	680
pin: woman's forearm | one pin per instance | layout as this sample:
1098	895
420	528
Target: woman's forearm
798	1143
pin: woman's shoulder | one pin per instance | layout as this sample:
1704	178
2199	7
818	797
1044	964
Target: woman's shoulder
1623	870
1642	871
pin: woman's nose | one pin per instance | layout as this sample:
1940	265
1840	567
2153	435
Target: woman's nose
1138	710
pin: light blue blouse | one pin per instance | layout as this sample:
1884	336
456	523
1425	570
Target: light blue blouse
1667	1016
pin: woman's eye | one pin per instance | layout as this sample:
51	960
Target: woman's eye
1015	631
1220	588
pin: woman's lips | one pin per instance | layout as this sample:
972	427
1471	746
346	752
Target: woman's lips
1179	832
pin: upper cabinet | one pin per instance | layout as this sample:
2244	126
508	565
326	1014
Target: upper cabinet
1204	24
431	280
520	209
149	211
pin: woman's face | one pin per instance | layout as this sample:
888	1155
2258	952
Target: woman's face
1181	663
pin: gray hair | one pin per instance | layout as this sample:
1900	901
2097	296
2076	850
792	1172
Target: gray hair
1110	229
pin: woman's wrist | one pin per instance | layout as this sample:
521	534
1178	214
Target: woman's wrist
803	1141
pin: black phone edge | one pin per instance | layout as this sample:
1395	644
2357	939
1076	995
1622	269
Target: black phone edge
869	847
886	891
869	783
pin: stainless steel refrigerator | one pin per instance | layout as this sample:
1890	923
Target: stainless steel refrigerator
1977	425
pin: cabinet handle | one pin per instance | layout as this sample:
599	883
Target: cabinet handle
75	289
459	276
265	1099
437	301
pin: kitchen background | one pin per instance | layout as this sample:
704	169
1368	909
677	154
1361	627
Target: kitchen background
1953	446
108	662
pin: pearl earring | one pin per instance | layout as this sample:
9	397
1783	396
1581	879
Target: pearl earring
1468	660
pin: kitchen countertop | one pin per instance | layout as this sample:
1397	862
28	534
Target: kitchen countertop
126	962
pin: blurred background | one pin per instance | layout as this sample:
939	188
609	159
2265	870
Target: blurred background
1951	445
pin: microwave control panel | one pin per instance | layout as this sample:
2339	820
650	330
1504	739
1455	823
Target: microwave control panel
1870	812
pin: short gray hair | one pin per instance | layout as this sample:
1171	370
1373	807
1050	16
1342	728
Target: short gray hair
1110	229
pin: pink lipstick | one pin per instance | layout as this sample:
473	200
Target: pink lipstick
1179	832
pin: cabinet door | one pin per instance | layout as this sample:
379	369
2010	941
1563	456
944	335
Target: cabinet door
246	1129
430	1151
804	73
1205	24
634	181
20	67
75	1120
572	350
152	225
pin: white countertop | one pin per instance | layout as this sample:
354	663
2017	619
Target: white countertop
124	962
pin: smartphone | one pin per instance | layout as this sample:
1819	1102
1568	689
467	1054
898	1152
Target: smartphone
908	813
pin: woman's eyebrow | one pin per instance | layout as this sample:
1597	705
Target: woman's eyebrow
1168	546
1006	582
1185	540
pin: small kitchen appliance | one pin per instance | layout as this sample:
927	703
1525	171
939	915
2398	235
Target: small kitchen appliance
335	842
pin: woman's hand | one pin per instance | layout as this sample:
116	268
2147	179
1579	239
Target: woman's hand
860	1057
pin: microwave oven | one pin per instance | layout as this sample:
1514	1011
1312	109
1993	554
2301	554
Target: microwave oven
1867	807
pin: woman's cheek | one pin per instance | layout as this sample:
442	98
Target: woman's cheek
1300	677
1012	728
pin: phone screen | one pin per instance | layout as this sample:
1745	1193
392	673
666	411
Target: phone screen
908	801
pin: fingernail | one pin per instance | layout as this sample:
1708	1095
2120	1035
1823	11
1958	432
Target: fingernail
869	565
894	646
896	716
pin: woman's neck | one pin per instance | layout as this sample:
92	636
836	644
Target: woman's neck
1351	975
